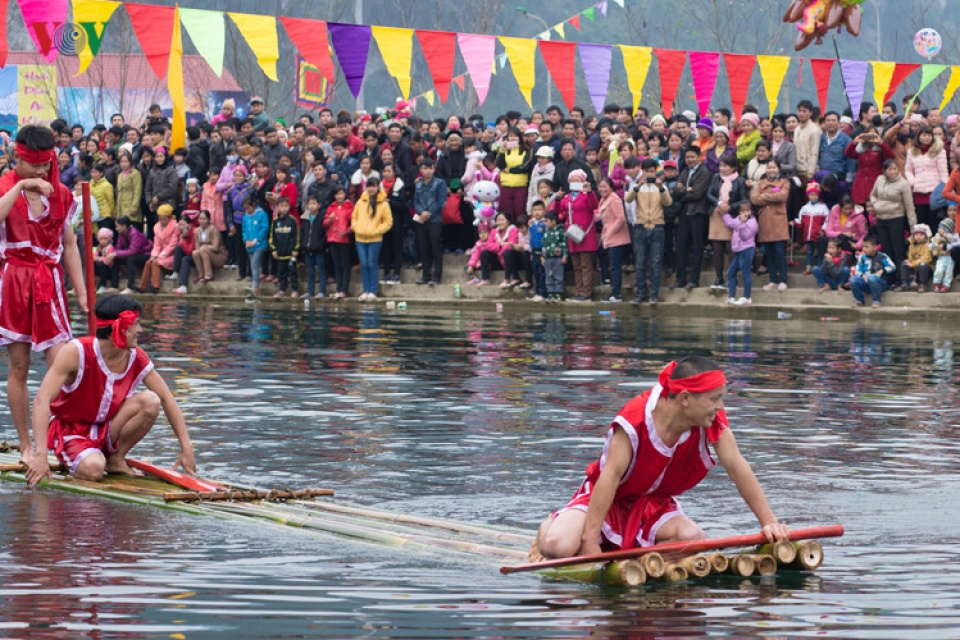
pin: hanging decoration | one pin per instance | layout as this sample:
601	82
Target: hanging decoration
440	51
351	42
208	32
814	18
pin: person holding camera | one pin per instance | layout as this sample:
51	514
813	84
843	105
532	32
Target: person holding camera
870	152
650	197
577	211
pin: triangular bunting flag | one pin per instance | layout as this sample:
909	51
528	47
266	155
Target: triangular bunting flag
478	52
178	123
952	87
822	69
595	60
42	17
543	36
260	32
929	74
561	62
396	47
773	69
900	74
459	81
3	34
522	52
882	75
310	39
671	64
430	97
208	32
854	76
619	3
440	51
602	6
739	69
559	29
575	22
590	14
704	66
92	16
502	60
153	26
636	64
352	45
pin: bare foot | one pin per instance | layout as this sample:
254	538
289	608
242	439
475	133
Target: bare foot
26	454
119	467
823	289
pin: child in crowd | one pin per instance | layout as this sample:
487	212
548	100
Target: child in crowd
537	228
829	274
473	262
744	247
811	220
236	195
192	207
337	224
940	247
919	259
554	256
103	258
314	241
523	246
255	233
546	194
183	174
284	247
488	169
873	268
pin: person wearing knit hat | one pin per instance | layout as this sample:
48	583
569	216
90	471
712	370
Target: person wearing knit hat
749	139
919	259
658	123
813	187
166	237
705	137
104	255
940	247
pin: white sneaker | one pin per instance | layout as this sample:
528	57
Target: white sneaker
782	286
127	292
536	298
363	297
744	302
102	290
371	297
171	276
181	290
731	301
770	286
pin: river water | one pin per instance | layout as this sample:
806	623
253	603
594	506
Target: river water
491	418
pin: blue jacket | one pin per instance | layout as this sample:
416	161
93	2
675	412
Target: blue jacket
832	157
344	169
537	229
872	266
256	227
430	197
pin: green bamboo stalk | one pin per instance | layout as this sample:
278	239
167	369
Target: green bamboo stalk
624	573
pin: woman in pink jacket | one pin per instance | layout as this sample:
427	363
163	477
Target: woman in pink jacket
579	207
615	234
166	237
926	168
501	250
847	224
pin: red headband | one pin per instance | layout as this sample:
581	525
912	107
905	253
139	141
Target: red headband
35	156
700	383
120	327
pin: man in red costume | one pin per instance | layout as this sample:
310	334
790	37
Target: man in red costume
656	448
88	409
36	216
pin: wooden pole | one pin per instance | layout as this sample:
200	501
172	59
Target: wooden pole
623	573
719	562
783	551
809	556
653	564
88	275
241	495
765	565
674	573
741	565
697	566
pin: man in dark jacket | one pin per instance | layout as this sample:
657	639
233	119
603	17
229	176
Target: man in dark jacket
428	200
568	163
402	156
198	156
321	188
691	193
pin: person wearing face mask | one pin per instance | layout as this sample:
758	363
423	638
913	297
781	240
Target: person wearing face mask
774	230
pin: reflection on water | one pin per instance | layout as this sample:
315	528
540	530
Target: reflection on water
492	418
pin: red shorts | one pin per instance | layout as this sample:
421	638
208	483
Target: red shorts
23	318
652	511
74	442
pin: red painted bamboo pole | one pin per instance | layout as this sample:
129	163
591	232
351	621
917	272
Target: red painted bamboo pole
693	546
87	244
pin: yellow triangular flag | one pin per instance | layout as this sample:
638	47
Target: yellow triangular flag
91	11
559	29
952	87
175	85
521	54
260	32
773	69
882	76
396	47
430	97
636	62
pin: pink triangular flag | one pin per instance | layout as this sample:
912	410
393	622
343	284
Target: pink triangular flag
478	53
704	66
602	6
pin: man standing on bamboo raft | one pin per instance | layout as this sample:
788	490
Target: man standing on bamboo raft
655	450
36	231
88	409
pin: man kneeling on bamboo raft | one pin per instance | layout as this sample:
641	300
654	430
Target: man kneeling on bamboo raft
655	450
88	410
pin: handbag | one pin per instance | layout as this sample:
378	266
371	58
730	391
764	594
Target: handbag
575	232
937	201
451	210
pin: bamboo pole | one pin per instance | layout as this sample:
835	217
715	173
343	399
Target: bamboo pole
719	562
16	467
625	573
653	564
809	556
674	572
697	566
274	495
782	551
741	565
765	565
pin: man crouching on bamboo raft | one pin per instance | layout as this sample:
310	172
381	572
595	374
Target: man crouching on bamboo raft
88	409
655	450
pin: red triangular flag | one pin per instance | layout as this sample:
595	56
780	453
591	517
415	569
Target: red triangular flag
3	34
561	63
671	64
900	73
575	21
822	68
739	70
154	28
440	50
310	39
458	81
44	35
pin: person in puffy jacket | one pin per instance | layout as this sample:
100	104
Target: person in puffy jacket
370	220
892	200
337	222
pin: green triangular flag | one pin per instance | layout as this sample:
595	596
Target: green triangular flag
94	31
590	13
929	73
